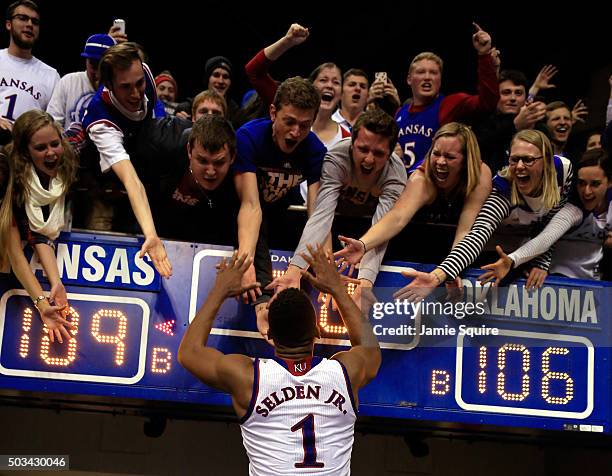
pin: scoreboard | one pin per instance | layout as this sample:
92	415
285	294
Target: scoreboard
504	357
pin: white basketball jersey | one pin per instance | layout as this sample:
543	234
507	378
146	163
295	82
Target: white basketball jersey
301	418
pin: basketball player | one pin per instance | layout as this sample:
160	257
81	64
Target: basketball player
297	411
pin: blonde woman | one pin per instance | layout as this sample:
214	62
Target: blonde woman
42	167
451	184
530	191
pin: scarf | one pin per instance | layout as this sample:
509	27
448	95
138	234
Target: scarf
39	197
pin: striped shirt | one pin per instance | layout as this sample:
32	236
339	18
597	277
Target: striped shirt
498	209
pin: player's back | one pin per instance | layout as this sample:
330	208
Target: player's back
301	418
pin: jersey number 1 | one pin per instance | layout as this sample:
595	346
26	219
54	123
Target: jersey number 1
308	441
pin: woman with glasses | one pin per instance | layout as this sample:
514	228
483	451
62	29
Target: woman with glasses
526	194
579	253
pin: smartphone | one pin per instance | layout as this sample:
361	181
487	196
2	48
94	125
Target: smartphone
120	23
381	76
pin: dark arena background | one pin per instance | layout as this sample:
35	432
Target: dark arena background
142	414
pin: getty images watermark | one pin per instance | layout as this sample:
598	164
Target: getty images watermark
398	318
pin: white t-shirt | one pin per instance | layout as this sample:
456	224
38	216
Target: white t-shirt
70	98
301	418
25	84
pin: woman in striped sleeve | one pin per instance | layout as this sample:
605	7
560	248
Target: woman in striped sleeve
525	195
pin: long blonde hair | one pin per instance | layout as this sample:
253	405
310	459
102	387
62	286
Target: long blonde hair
549	186
20	165
470	173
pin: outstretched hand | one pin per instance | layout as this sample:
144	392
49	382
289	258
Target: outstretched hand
327	279
58	296
579	112
56	325
157	252
421	286
496	271
481	40
289	279
543	78
352	252
229	275
535	278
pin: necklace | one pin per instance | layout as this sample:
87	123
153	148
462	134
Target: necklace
202	189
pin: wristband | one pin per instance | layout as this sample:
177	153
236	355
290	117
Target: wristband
437	277
36	300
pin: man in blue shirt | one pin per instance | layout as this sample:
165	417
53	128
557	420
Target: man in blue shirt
273	156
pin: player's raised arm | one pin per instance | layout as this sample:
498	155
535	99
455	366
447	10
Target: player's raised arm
363	359
206	363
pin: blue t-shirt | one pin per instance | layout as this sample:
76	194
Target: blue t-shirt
277	172
416	131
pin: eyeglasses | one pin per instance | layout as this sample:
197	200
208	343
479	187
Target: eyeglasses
527	160
25	18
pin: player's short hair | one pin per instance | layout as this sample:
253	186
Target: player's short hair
297	92
10	11
118	57
378	122
212	132
292	318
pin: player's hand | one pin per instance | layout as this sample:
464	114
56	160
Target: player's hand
297	34
157	252
535	278
229	275
497	271
352	252
289	279
327	278
579	112
481	40
421	286
248	279
263	325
